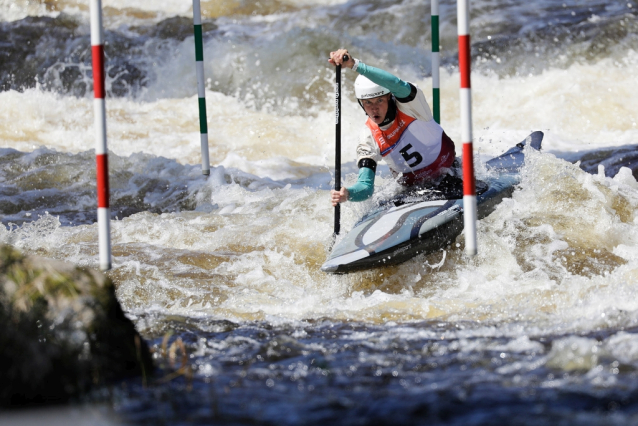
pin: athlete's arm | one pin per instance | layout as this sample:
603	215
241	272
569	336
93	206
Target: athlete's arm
362	189
402	90
364	186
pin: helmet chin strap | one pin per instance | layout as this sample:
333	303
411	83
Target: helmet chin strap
390	115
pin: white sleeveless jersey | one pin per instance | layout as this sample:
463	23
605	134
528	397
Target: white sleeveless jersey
418	146
426	135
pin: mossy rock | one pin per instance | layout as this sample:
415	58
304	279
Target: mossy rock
63	332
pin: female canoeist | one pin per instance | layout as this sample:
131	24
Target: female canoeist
400	130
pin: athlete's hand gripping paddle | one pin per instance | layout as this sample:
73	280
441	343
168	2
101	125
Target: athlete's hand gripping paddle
338	143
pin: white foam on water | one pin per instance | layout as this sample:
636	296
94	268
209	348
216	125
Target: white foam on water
170	128
559	255
585	106
12	10
118	12
581	108
256	255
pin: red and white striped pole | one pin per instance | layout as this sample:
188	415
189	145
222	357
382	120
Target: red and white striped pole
99	112
469	186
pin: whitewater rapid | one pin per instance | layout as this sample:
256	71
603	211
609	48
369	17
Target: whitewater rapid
246	243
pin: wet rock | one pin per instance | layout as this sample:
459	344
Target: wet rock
63	332
55	53
30	46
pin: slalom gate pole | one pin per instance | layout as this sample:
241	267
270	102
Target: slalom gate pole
337	226
101	152
201	92
436	83
469	186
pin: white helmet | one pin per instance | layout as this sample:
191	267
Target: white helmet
364	88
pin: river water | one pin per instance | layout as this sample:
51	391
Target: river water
541	327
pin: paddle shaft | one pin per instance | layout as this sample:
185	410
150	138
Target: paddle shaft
337	225
338	147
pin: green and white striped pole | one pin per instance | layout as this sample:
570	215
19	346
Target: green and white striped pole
436	83
201	92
